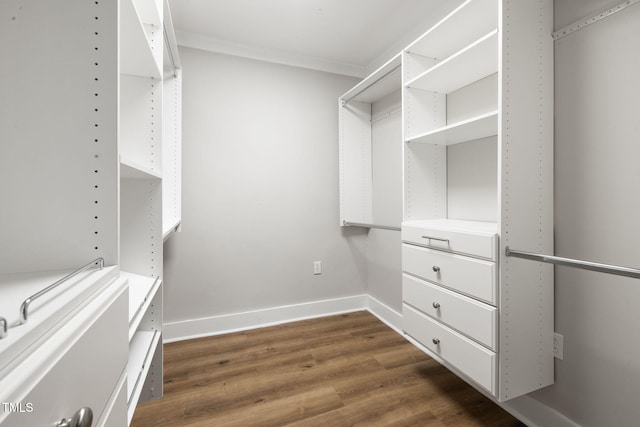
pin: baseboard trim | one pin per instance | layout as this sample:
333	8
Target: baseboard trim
534	413
235	322
385	314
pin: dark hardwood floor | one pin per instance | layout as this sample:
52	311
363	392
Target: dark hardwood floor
343	370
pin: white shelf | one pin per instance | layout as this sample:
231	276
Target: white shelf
468	22
141	351
474	62
136	55
465	226
141	292
467	130
131	169
385	80
170	228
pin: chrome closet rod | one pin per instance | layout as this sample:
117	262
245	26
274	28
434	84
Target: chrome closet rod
24	308
388	73
361	224
569	262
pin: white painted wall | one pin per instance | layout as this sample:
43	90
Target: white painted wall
260	192
597	211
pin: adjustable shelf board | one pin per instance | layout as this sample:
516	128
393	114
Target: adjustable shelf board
378	84
470	21
133	170
141	351
141	292
467	130
472	63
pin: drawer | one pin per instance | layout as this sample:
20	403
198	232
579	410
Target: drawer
479	239
470	358
471	276
115	413
79	366
472	318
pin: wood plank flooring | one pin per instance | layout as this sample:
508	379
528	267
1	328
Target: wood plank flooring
344	370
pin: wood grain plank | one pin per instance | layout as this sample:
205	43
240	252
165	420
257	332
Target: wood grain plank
344	370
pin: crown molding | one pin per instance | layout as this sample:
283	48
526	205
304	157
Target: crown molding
209	44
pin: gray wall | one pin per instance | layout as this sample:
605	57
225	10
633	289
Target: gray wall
260	191
597	215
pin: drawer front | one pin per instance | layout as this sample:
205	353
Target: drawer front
470	358
466	243
115	413
79	366
470	276
472	318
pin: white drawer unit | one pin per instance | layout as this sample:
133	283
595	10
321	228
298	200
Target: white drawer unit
471	276
74	368
470	358
463	237
472	318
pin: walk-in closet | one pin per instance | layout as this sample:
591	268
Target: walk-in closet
319	212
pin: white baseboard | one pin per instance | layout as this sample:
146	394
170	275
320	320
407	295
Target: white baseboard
385	314
527	409
534	413
217	325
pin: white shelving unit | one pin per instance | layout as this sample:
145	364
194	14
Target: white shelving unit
368	116
149	147
140	148
92	146
478	168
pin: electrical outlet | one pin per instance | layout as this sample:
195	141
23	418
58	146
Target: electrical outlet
558	346
317	267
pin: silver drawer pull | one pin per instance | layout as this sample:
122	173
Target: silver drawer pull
436	305
435	269
436	341
439	239
82	418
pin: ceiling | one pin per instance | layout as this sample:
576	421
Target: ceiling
350	37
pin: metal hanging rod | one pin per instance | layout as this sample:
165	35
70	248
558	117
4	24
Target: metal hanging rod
591	19
3	329
382	77
585	265
24	308
361	224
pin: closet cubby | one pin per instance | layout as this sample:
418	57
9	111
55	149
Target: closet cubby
141	29
369	131
140	143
